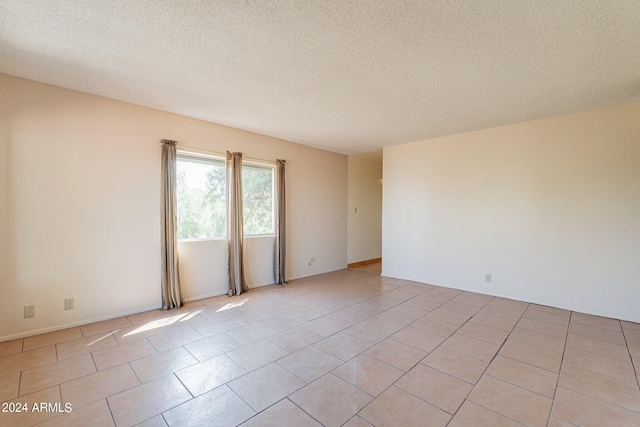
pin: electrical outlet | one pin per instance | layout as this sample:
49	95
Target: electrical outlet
29	311
68	304
487	278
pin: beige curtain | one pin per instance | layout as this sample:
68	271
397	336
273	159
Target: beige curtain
235	233
170	281
280	253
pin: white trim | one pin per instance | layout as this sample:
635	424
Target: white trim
76	323
546	304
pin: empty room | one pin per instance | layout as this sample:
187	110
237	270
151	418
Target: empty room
323	213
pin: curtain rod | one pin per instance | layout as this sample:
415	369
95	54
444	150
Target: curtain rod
188	150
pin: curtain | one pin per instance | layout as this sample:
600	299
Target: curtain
280	252
235	233
170	282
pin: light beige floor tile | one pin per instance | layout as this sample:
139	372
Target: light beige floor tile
543	327
418	339
368	374
9	386
343	399
247	317
537	339
51	338
482	350
147	400
160	364
309	363
257	354
545	316
323	326
123	353
601	387
473	299
212	346
396	354
294	339
27	360
501	323
512	313
356	421
216	326
407	311
396	407
211	373
586	411
252	332
156	421
98	386
369	331
283	413
138	332
630	325
284	321
342	346
600	347
435	326
95	414
389	321
31	417
615	337
597	321
545	359
449	316
556	422
462	308
348	317
613	368
524	375
461	366
632	336
513	402
548	309
265	386
105	326
46	376
220	407
174	338
311	312
8	348
435	387
509	303
422	304
74	348
474	415
484	333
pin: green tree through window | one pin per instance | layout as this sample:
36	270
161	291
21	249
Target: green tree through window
202	198
257	200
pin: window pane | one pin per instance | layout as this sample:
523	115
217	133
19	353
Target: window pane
201	197
257	193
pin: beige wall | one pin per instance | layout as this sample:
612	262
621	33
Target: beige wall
365	195
550	208
80	202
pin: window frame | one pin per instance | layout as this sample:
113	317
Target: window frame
272	167
212	158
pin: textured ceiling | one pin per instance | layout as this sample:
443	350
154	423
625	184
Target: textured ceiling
347	76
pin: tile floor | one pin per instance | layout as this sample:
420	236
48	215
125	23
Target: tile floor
349	348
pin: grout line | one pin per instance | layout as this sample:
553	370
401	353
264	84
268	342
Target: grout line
553	400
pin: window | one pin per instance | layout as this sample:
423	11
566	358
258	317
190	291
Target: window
202	197
257	199
201	194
